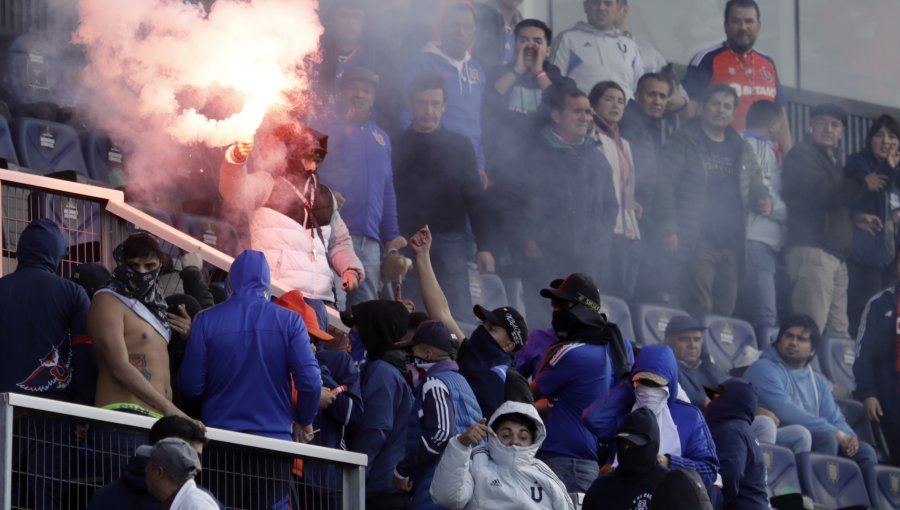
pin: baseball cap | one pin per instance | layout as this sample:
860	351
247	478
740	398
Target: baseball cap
294	302
358	73
633	438
580	289
507	318
434	334
682	323
830	109
650	376
174	455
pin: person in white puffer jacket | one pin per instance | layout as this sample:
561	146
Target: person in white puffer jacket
503	473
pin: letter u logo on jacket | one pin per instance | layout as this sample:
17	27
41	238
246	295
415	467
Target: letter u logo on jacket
540	494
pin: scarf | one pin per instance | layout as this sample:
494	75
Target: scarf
656	400
140	286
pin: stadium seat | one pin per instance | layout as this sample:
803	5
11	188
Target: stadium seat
854	413
616	311
7	149
836	357
727	340
832	481
211	231
105	162
650	323
25	64
781	470
766	336
887	493
47	147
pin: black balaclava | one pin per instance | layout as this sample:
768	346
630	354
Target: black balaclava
637	460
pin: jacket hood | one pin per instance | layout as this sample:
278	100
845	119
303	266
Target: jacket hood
380	324
640	459
42	245
659	360
483	351
249	275
434	48
584	26
737	400
509	455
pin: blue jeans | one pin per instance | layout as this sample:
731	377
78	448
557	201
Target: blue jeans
759	285
866	458
576	474
369	252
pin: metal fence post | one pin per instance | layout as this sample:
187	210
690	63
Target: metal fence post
354	489
6	451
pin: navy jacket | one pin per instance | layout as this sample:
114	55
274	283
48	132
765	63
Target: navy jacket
484	364
605	415
874	368
43	315
741	462
242	353
873	251
358	167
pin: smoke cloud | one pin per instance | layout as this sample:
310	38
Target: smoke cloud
165	74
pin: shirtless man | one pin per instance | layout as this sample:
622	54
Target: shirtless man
129	325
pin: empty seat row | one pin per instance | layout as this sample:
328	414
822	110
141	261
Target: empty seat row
835	482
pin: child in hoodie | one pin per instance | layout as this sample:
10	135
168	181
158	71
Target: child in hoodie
503	473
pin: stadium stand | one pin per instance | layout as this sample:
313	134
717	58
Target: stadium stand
835	482
650	322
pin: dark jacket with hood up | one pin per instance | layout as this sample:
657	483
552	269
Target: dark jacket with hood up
604	416
741	462
630	486
387	396
265	344
41	316
484	365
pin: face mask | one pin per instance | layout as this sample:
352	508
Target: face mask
137	284
651	397
565	324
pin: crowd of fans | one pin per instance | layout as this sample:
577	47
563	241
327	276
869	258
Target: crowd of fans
530	157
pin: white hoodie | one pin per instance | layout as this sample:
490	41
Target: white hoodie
589	56
498	477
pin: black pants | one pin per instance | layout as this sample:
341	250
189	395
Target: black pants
865	282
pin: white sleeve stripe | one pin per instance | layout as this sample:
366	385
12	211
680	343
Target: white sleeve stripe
562	352
349	411
442	402
702	53
865	315
429	448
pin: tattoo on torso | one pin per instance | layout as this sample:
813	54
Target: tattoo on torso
139	361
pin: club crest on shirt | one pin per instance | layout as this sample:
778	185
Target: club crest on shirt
765	74
378	138
53	370
732	71
474	75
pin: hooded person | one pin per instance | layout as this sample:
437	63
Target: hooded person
741	463
579	369
387	397
44	319
268	346
294	219
503	473
685	440
630	485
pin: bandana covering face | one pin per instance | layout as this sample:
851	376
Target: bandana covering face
141	286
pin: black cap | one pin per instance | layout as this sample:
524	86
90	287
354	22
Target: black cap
507	318
633	438
831	110
682	323
434	334
580	289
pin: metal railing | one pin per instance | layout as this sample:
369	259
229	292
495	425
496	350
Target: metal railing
56	455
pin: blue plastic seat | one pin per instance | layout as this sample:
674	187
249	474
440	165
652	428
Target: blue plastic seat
887	487
781	470
216	233
650	322
25	69
7	148
835	482
836	358
47	147
105	162
726	340
617	311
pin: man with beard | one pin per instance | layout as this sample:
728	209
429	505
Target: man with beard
630	486
576	371
294	220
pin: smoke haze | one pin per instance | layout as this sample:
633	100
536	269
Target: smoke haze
163	74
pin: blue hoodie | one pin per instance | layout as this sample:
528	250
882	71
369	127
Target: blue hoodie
605	415
358	167
797	396
241	354
743	469
876	251
43	315
465	88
